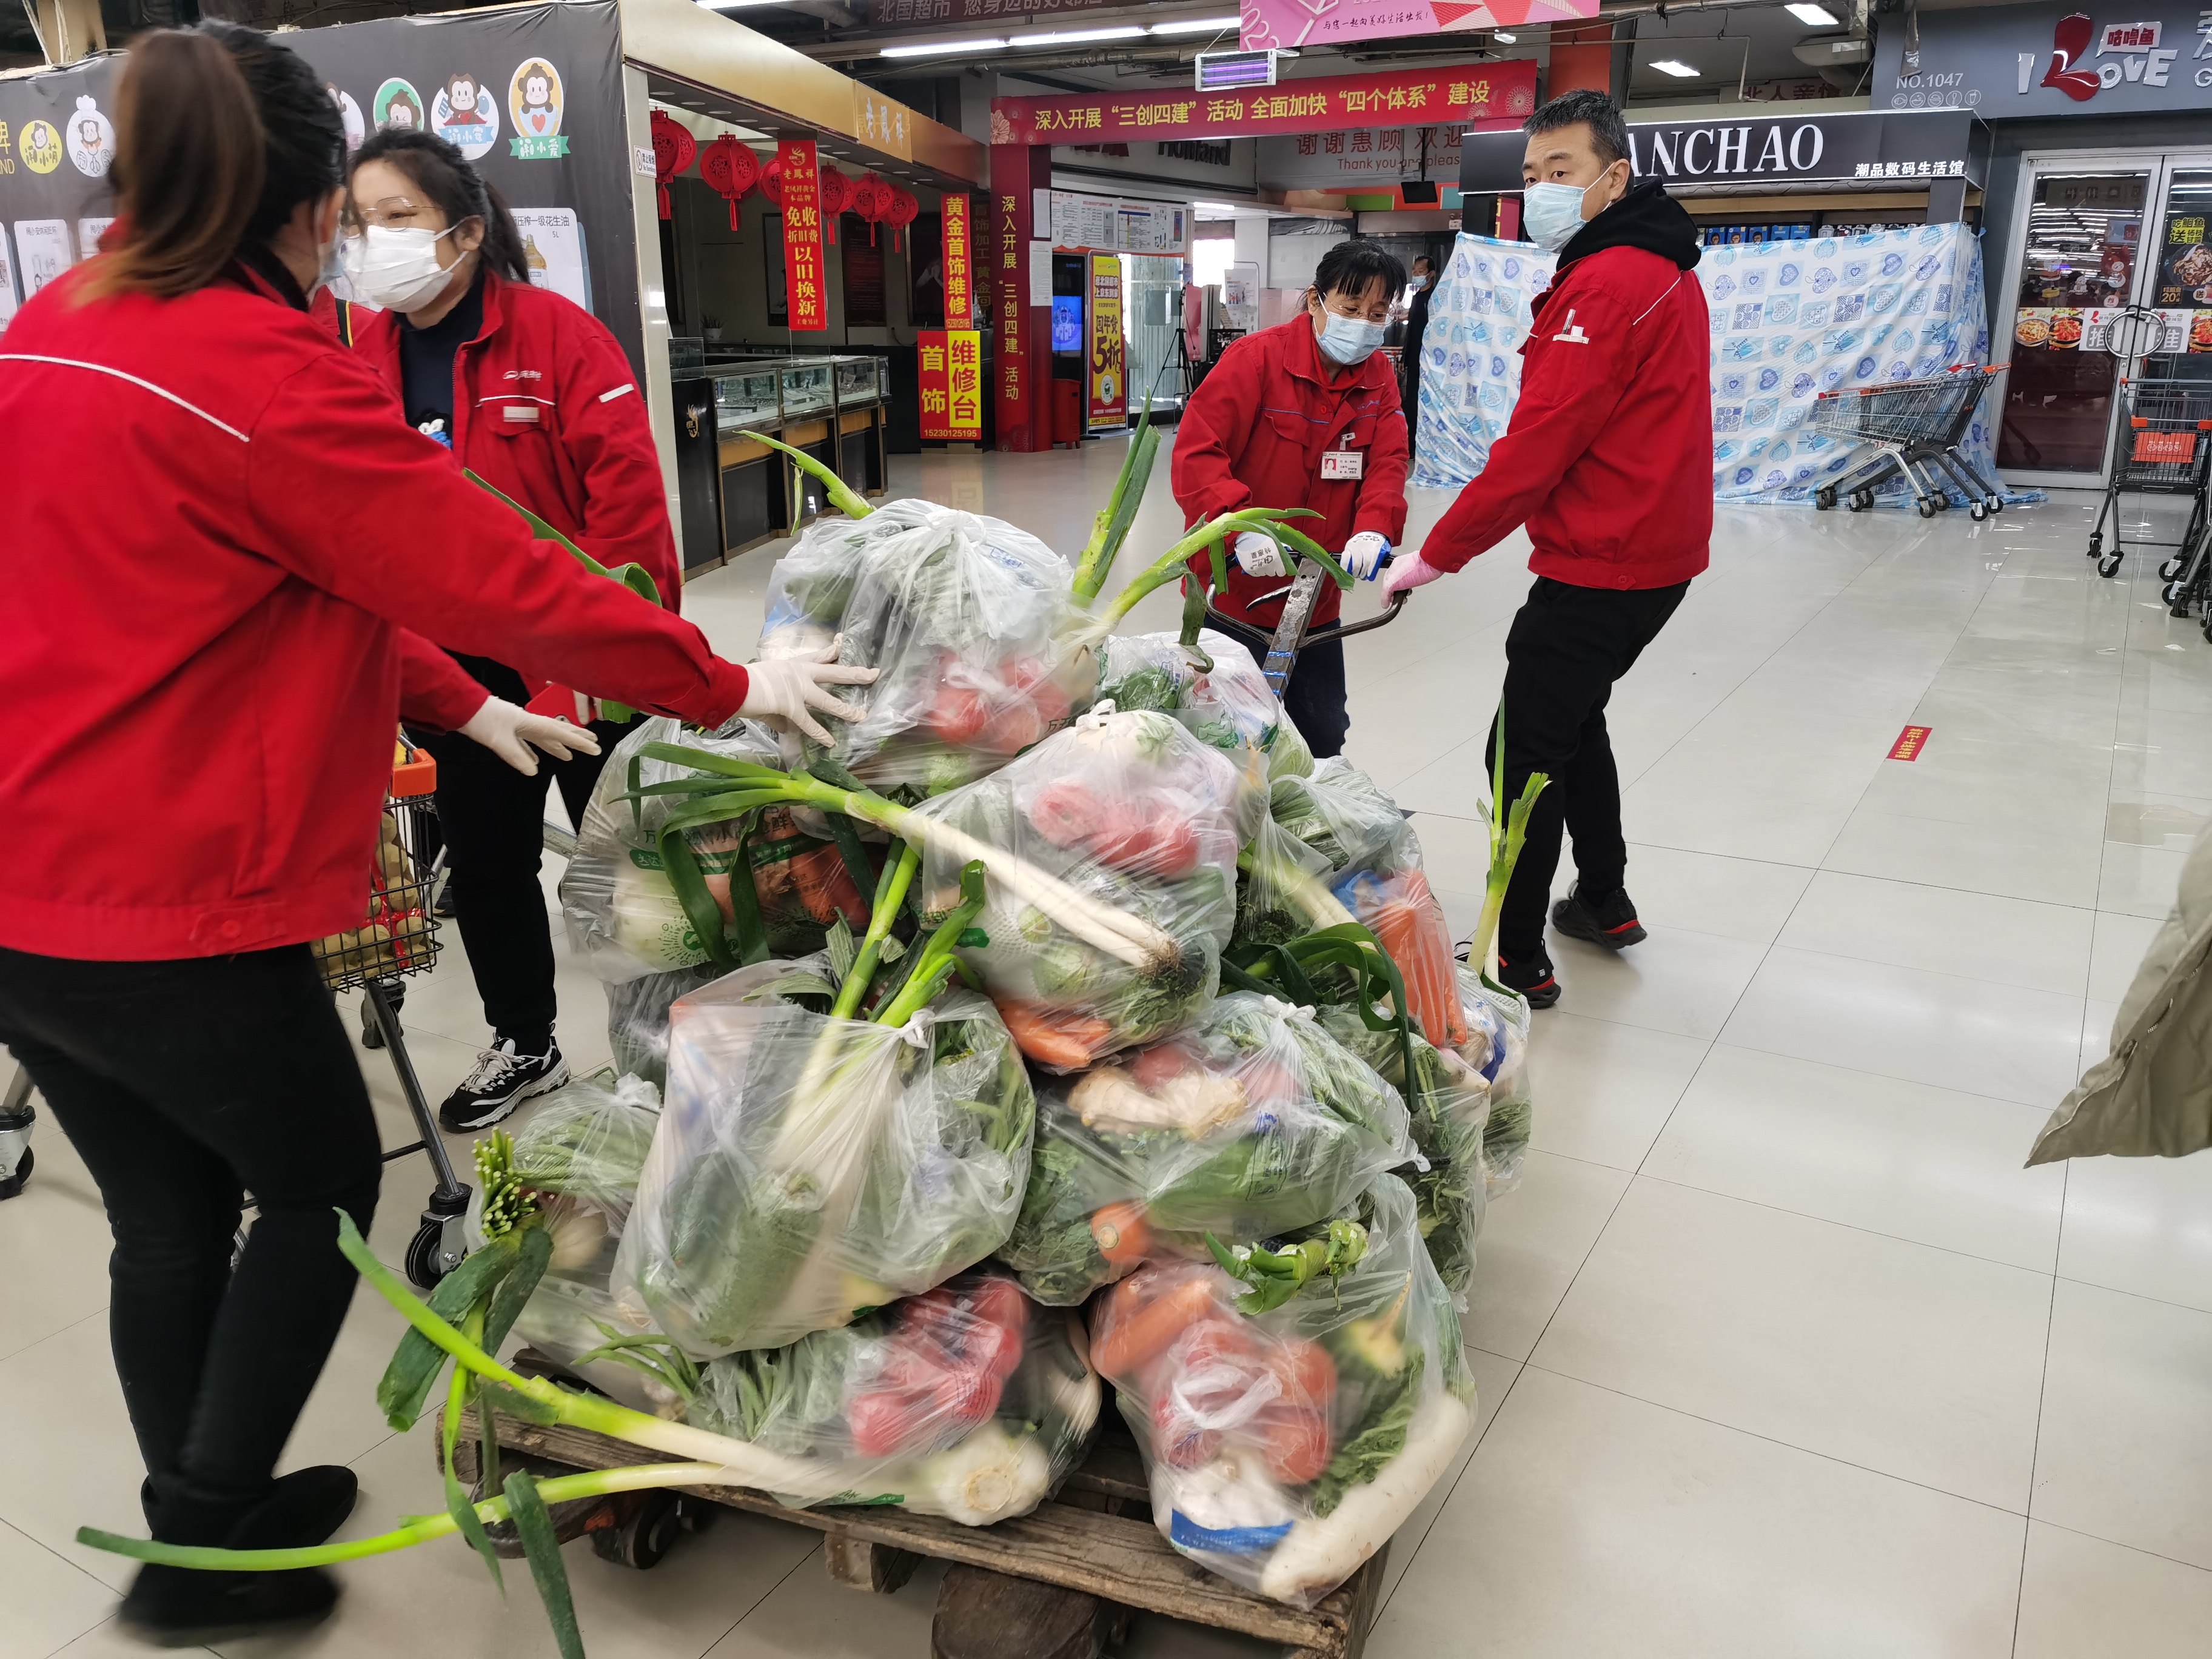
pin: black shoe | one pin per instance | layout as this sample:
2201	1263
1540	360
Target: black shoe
1609	922
1532	976
446	907
302	1510
183	1607
502	1080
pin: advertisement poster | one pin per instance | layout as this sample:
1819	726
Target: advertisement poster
1287	25
951	384
553	252
959	268
809	296
1108	404
43	247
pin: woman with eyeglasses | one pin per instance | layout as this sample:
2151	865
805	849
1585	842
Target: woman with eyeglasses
532	393
207	654
1305	414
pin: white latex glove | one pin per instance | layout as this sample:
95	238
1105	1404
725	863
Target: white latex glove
1365	553
1258	556
515	735
1407	574
785	690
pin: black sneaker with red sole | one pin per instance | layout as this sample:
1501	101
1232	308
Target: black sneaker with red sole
1532	976
1610	922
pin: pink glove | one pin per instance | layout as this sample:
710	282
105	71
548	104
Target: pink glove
1405	574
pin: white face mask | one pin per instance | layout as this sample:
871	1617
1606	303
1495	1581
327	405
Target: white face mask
1553	213
396	268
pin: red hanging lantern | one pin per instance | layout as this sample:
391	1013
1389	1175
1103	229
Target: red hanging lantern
673	150
836	197
731	169
904	209
771	179
871	200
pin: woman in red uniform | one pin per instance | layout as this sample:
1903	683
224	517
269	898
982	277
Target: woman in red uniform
533	395
206	660
1305	414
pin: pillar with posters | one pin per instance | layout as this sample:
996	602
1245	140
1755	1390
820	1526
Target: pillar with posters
802	272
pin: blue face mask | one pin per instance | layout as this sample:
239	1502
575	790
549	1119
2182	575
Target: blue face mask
1552	214
1350	341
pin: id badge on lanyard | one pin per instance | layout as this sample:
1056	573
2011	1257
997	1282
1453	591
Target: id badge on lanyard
1344	462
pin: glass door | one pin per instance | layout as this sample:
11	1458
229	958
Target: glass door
2083	244
2180	259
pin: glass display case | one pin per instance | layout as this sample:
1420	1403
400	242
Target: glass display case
858	380
808	388
746	400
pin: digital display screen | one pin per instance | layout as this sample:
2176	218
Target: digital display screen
1067	322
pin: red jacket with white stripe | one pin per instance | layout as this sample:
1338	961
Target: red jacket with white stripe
548	410
217	527
1608	458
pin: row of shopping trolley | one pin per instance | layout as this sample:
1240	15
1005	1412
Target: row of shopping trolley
1915	428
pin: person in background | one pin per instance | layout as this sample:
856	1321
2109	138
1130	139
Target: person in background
1304	414
1607	461
532	393
1417	324
206	646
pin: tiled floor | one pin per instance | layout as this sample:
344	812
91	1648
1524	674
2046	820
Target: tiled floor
1781	1350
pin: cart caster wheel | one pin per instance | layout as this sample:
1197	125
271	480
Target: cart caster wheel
1926	507
695	1514
13	1185
1994	503
2096	543
1824	499
2110	564
1943	503
422	1251
1977	512
2170	569
2172	595
643	1539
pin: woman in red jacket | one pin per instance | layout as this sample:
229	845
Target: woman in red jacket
1305	414
206	661
532	394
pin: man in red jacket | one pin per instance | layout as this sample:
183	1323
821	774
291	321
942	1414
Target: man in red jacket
1608	462
1305	414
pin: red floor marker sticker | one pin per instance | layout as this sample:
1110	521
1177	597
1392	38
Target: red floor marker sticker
1910	741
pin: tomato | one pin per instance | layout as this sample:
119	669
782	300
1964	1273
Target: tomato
1122	835
1174	848
1295	1445
994	1350
959	714
1177	1441
884	1424
1014	727
966	1397
1307	1374
1000	1301
1064	812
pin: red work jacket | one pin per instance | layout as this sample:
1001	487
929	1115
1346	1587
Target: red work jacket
209	561
1608	457
547	409
1253	436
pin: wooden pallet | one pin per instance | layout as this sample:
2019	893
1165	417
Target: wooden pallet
1095	1539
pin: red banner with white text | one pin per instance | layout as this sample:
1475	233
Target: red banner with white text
803	270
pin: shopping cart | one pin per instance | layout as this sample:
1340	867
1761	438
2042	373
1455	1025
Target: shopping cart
2159	449
397	939
1917	426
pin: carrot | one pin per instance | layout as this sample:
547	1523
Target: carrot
1121	1235
1135	1331
1054	1037
1409	926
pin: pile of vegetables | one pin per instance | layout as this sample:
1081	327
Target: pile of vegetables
1212	687
1137	823
812	1164
1295	1399
1250	1122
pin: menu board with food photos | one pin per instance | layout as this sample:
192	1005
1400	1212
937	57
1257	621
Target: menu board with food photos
2183	283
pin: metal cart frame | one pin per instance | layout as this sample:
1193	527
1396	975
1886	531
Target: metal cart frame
2154	448
1917	425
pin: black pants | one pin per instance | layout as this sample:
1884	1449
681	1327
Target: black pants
183	1085
1317	696
493	820
1566	648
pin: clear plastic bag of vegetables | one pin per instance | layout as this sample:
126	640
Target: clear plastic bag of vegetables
1347	817
637	1018
1216	691
1293	1413
1497	1049
969	1401
625	919
971	622
1449	1104
811	1167
1251	1121
1141	821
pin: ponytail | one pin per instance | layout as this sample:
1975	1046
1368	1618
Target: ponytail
220	135
502	243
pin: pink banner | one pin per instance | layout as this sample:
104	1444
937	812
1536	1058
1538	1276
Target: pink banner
1292	23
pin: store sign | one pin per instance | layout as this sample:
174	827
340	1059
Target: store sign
959	270
1364	158
951	384
1108	385
1876	145
1467	92
802	236
1293	23
2050	60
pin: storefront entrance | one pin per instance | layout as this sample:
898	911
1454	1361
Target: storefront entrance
2102	231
